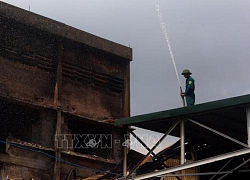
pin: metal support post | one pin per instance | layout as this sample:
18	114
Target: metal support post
248	124
125	161
182	136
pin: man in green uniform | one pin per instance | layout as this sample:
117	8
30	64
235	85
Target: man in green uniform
190	87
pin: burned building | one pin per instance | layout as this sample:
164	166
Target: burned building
60	91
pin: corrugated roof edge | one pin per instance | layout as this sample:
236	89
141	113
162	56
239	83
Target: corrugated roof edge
63	30
183	111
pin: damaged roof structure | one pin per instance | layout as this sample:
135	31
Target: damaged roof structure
60	91
214	139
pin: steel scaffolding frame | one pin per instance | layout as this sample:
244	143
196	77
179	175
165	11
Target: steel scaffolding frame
183	166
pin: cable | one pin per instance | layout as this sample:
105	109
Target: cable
61	160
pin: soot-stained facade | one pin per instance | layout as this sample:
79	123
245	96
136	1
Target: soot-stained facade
60	91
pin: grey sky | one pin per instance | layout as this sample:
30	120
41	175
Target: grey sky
209	37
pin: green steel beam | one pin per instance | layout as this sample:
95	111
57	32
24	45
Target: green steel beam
184	111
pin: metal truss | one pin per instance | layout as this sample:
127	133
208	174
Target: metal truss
170	171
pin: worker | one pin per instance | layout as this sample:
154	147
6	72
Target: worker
190	87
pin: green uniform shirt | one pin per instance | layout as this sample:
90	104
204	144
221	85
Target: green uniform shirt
189	91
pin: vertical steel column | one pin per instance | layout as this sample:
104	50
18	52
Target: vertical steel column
125	156
125	173
182	142
182	136
248	124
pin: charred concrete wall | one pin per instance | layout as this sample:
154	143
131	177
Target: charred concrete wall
93	81
55	79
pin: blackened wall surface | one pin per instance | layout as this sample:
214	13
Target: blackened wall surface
50	75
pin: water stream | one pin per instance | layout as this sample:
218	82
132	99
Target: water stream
164	29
